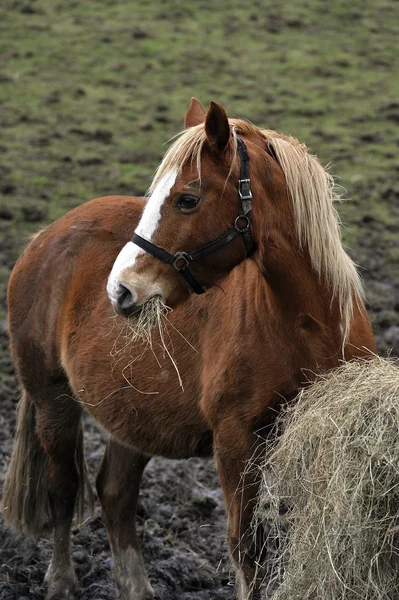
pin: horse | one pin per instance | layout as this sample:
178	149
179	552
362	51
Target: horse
238	248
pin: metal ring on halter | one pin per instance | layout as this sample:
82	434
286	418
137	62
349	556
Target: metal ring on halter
182	256
241	218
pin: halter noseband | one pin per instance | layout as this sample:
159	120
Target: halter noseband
181	260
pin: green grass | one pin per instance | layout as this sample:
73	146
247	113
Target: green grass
90	91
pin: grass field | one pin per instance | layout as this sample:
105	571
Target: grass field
91	90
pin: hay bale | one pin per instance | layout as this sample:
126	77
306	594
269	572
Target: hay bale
336	469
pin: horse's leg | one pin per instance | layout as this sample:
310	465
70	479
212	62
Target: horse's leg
118	484
45	474
236	451
59	429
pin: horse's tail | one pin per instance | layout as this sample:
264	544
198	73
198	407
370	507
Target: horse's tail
26	503
335	467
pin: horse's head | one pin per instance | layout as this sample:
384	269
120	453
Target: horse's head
197	224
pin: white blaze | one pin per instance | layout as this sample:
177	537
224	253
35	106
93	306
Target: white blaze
146	228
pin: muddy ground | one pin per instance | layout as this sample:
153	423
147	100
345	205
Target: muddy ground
89	92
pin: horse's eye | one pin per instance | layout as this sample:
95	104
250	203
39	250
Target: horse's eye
187	204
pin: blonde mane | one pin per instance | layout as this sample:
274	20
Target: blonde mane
311	189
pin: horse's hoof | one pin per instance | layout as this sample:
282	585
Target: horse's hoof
147	596
144	594
61	594
61	588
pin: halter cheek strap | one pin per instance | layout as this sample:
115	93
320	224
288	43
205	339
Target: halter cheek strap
182	260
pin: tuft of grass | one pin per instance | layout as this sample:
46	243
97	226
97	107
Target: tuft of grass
335	469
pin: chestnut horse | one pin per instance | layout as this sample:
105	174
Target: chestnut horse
232	204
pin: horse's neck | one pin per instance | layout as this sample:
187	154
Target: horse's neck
301	302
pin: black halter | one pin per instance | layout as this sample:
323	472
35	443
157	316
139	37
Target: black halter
181	260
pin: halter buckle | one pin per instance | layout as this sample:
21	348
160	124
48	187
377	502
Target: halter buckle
184	261
244	189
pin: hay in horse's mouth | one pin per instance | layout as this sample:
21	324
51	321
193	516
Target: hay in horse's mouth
152	316
149	315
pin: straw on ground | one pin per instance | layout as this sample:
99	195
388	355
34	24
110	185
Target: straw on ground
336	470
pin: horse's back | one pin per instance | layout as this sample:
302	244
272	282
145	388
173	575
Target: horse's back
91	235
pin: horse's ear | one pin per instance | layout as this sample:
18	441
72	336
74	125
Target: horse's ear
217	126
195	114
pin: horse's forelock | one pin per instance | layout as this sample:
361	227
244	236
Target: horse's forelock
188	147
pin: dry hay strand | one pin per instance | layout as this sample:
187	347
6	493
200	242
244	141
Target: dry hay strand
335	469
151	316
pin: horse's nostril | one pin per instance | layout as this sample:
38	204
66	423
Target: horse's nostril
124	298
